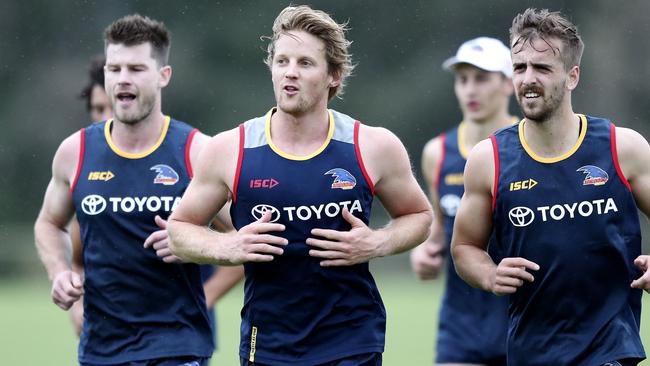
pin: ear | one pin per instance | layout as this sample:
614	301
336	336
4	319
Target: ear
573	76
165	75
336	79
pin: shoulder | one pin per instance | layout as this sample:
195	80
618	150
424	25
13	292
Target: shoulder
633	151
382	152
432	155
66	158
480	167
218	155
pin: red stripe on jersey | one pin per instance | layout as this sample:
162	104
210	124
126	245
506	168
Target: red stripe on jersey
188	145
82	144
357	124
495	151
612	139
240	158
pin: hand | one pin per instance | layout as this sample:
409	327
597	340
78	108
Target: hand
67	288
643	282
510	274
345	248
159	240
427	259
254	244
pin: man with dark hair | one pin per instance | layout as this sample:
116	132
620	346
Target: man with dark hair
571	241
97	103
122	177
302	180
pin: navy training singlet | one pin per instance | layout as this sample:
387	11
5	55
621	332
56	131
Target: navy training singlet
575	216
295	311
472	323
136	307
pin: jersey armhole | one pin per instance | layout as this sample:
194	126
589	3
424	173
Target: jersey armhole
495	151
619	171
188	148
436	182
357	149
240	158
82	145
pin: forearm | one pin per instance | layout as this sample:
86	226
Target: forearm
53	246
198	244
474	265
224	279
404	233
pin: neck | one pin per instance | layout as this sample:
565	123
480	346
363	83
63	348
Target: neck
140	136
476	131
556	135
300	134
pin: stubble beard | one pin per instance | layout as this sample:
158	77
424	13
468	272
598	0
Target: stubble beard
141	112
548	108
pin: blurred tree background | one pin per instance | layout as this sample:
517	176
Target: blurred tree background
219	79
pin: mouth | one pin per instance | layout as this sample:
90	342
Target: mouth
473	106
531	94
125	97
290	89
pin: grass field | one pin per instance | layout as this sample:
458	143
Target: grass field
33	331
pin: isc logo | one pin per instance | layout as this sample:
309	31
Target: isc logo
105	176
263	183
524	184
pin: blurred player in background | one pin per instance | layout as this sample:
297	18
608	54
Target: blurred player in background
472	323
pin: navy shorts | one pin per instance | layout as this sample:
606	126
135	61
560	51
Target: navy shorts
364	359
169	361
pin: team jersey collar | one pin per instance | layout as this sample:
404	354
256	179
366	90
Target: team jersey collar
532	154
140	155
277	150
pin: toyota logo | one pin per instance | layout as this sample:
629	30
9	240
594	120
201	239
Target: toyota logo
259	211
93	204
521	216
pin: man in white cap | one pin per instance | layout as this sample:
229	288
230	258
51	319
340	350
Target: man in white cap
472	323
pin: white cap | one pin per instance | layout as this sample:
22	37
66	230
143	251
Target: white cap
486	53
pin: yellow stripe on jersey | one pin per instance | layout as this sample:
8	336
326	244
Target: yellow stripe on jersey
529	150
285	155
128	155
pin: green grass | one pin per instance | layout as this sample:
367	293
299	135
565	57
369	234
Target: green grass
33	331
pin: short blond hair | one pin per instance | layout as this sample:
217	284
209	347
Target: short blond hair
321	25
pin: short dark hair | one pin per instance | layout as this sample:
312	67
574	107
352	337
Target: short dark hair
543	24
95	78
136	29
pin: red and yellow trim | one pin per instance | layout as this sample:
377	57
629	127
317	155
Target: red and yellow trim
128	155
495	151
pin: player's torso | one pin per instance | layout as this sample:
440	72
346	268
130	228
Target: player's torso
116	196
298	310
575	217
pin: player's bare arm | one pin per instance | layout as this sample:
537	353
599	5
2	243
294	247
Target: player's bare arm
191	238
222	281
472	231
428	257
50	229
633	154
400	194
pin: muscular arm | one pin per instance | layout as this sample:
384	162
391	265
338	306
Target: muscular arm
207	193
472	229
222	281
633	155
427	258
52	240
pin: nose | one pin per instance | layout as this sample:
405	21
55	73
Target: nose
529	76
124	76
291	71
